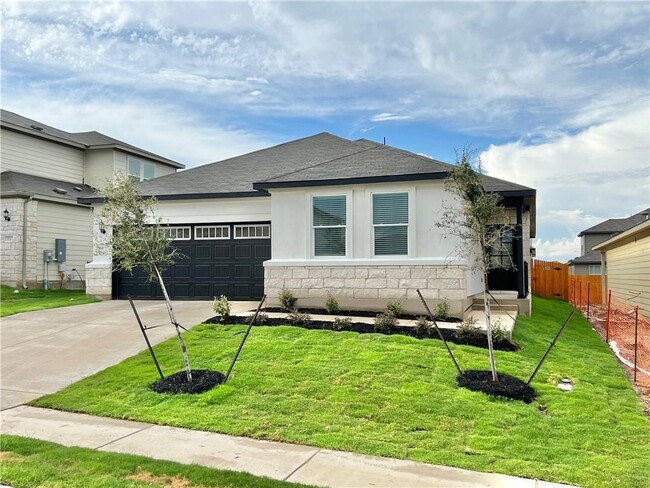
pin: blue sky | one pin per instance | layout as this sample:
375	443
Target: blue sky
554	95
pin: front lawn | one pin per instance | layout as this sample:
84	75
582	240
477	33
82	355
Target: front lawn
30	462
397	396
30	300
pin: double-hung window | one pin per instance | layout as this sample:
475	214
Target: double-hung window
390	221
329	221
594	269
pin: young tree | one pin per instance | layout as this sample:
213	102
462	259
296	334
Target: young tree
137	239
479	221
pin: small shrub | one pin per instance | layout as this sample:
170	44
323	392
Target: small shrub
332	304
498	331
287	299
262	319
298	318
423	327
442	310
221	307
395	309
468	330
342	323
385	323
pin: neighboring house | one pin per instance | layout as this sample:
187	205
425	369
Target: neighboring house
588	263
321	215
44	171
626	266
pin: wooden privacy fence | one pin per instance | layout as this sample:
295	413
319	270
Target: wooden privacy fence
550	279
585	289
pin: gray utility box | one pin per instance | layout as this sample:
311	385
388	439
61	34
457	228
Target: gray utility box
48	256
59	250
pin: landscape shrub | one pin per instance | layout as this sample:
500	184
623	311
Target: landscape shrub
221	307
423	328
395	309
262	319
385	323
342	323
499	331
287	299
442	310
468	330
332	304
298	318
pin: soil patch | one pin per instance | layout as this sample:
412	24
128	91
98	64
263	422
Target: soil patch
165	481
202	381
363	328
507	386
358	313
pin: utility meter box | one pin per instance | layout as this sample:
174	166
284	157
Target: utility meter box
59	249
48	256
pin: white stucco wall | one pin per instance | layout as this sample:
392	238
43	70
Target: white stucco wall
292	232
255	209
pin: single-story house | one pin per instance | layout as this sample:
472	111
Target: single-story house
625	261
46	235
321	215
588	263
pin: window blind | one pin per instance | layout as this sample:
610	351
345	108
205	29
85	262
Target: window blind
390	216
329	221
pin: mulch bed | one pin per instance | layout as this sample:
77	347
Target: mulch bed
202	381
507	386
358	313
363	328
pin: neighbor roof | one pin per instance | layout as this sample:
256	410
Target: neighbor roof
613	226
322	159
592	257
13	184
81	140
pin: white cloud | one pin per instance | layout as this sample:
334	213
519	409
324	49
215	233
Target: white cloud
385	117
561	249
581	179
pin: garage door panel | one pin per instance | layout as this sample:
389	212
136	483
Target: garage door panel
230	267
222	251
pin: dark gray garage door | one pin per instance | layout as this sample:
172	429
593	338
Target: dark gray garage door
229	265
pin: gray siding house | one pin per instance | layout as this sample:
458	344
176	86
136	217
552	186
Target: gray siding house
44	171
588	263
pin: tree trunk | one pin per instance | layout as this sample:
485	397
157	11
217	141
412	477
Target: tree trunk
488	325
172	318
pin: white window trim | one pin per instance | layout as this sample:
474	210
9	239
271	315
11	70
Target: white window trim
348	225
594	274
222	238
234	234
410	225
180	227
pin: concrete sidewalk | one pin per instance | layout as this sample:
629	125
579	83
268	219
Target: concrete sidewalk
304	464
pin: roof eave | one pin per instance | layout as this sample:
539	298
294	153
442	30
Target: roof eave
136	152
41	135
185	196
603	246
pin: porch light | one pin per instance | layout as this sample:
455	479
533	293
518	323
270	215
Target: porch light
6	215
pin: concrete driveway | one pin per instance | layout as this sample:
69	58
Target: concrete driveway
44	351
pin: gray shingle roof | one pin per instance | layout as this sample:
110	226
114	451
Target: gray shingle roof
592	257
319	159
20	184
614	226
83	140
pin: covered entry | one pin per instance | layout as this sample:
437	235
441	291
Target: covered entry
218	259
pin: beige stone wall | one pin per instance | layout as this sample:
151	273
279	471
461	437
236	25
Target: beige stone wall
99	280
11	242
369	286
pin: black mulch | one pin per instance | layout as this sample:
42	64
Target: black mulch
363	328
202	381
507	386
358	313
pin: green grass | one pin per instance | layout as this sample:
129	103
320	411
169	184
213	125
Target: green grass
397	396
30	462
30	300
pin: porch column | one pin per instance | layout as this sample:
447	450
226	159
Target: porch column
519	242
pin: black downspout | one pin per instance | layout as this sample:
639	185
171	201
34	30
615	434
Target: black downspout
519	242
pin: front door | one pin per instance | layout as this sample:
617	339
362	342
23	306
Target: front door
504	274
